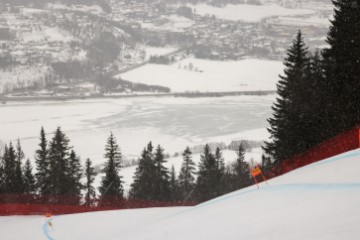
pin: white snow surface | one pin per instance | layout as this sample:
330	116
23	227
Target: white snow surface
307	21
320	201
248	13
94	9
210	76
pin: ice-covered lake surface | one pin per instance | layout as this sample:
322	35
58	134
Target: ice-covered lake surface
172	122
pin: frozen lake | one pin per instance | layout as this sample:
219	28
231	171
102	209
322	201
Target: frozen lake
174	123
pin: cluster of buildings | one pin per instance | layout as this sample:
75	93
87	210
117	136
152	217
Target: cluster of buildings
36	37
214	38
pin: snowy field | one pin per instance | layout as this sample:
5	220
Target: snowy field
94	9
248	13
320	201
303	21
210	76
174	123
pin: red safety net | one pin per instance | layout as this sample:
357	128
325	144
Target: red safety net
22	204
339	144
29	204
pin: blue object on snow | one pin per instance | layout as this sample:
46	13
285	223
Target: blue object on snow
46	230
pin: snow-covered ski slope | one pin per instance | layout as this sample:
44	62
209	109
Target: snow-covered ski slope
320	201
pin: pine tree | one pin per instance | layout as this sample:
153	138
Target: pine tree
291	115
42	165
144	184
90	177
266	164
187	175
241	169
9	159
229	181
4	155
111	184
1	179
174	186
162	176
342	68
1	175
207	181
57	179
220	171
19	181
219	160
74	176
2	171
315	101
29	179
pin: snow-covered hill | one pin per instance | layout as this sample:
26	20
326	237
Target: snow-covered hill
201	75
320	201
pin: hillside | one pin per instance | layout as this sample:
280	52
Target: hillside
75	47
199	75
319	201
57	46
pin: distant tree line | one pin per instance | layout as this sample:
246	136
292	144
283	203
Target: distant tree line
160	60
109	84
319	93
60	174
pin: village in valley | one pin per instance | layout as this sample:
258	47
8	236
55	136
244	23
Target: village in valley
82	48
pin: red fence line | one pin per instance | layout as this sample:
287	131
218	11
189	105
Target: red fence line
34	206
22	204
339	144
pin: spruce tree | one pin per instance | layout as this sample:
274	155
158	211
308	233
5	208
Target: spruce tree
19	181
241	169
57	180
229	181
42	165
144	178
219	160
266	164
1	175
29	179
74	177
174	186
90	174
2	171
291	113
315	102
342	68
220	171
111	187
162	176
207	181
1	179
9	159
187	175
4	156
